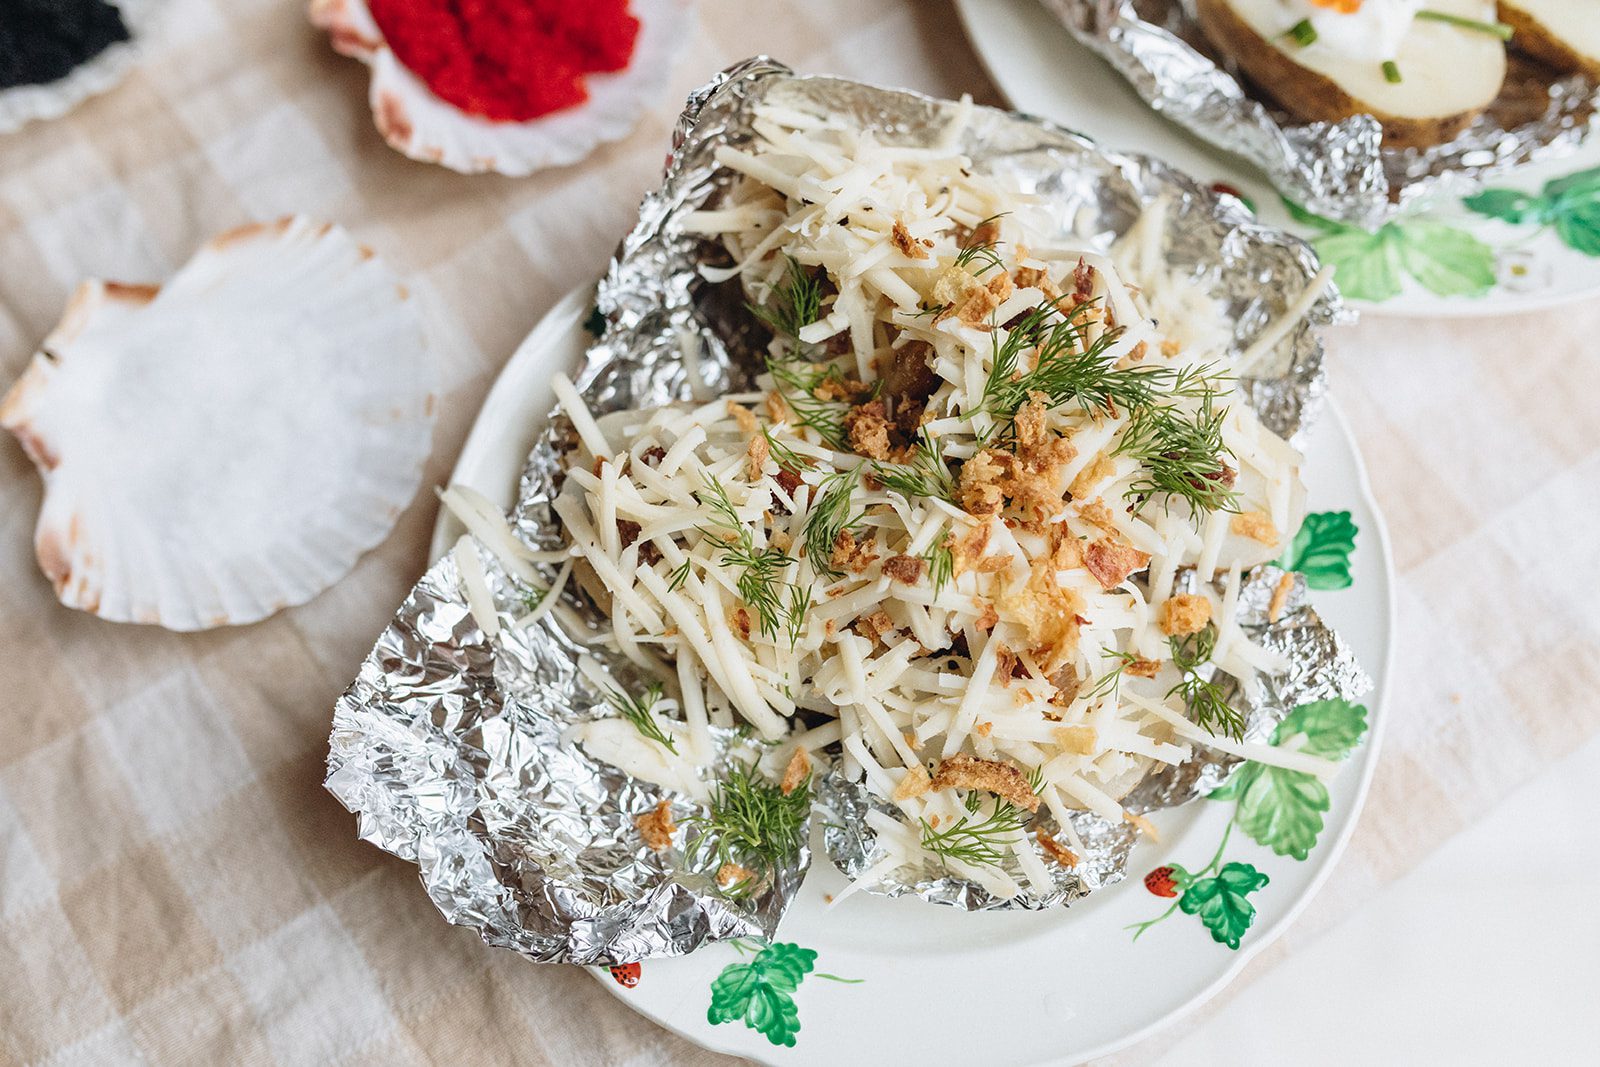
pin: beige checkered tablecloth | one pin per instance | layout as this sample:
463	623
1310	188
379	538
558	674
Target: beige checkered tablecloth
174	883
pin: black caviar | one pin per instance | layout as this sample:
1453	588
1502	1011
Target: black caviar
43	40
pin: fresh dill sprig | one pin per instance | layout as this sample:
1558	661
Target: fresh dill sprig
639	711
941	562
977	842
796	302
1180	454
761	581
982	253
1203	697
797	381
830	516
751	821
799	605
679	575
925	475
1109	681
787	457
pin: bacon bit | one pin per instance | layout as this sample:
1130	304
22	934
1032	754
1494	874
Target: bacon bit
798	770
741	623
829	628
1036	278
1005	666
1137	352
1096	513
744	417
1170	347
755	456
987	615
777	407
1030	423
982	729
837	590
1083	279
781	540
907	245
628	531
656	827
1055	850
1143	825
868	428
976	306
968	548
933	822
789	481
1001	777
1112	561
1067	684
979	486
652	455
671	631
876	626
1079	740
1142	668
1186	613
908	376
908	570
993	564
599	462
913	783
1049	612
731	874
1280	596
1096	472
1256	526
986	232
850	556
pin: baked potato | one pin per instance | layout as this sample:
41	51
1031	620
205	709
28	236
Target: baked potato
1562	33
1439	77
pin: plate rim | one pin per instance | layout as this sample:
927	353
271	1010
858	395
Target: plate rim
506	394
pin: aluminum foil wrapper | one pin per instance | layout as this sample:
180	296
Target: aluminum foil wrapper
1338	170
453	747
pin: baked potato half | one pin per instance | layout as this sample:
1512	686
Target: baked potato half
1562	33
1448	74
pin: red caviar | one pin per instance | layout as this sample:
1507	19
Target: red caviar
508	60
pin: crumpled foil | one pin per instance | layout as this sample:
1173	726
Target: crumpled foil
452	747
1338	170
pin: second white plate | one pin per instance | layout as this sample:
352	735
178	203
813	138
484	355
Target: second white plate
1459	258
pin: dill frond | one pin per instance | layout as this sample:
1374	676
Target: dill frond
797	380
978	842
787	457
985	254
761	581
679	575
830	516
795	303
1109	681
639	711
1203	697
941	562
1180	454
751	821
926	475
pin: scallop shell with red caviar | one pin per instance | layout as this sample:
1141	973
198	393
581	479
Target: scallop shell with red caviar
421	125
229	443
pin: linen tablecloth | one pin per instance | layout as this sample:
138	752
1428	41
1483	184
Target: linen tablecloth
176	886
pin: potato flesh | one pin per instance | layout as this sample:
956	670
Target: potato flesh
1445	70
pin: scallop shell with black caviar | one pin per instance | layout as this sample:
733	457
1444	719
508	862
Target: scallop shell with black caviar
229	443
425	127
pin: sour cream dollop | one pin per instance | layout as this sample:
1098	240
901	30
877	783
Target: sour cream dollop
1372	32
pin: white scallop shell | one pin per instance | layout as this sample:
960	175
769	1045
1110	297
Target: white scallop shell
230	443
23	104
416	122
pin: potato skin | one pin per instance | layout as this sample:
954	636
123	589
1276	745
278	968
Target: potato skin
1532	37
1308	95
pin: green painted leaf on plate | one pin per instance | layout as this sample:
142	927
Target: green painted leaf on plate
1512	205
1579	227
1220	902
1322	548
1331	728
758	992
1366	265
1445	260
1235	786
1583	183
1283	809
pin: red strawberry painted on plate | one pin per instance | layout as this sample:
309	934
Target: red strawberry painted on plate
627	974
1161	882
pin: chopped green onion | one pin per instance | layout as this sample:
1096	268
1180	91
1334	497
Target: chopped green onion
1391	72
1303	33
1493	29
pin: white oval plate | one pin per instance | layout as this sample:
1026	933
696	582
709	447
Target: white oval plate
1478	264
935	985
